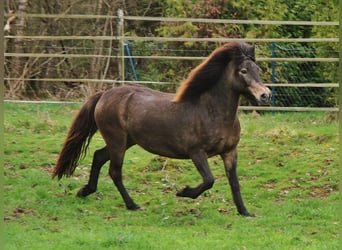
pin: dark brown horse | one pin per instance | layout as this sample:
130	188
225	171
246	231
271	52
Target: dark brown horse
198	122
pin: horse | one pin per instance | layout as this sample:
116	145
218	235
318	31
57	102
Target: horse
197	122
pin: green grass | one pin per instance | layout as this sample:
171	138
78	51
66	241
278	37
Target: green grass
288	170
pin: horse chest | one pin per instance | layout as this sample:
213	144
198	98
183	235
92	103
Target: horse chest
224	139
225	144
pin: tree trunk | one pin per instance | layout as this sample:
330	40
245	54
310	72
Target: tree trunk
18	63
96	63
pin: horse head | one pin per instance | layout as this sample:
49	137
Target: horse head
244	74
235	63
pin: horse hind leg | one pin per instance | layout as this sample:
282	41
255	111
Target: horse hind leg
117	144
115	172
100	157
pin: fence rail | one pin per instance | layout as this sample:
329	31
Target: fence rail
242	108
82	80
120	39
176	19
178	39
260	59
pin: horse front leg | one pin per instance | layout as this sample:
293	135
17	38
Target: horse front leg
200	160
230	164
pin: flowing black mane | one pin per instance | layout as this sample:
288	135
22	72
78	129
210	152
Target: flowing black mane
208	73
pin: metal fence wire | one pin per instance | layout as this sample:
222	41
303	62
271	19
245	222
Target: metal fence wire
307	79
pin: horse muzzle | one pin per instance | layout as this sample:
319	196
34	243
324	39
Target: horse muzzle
265	98
259	94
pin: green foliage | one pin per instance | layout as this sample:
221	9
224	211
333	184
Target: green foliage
104	65
291	72
288	170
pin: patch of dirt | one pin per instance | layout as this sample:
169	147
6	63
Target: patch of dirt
277	133
283	193
332	117
225	210
48	169
193	211
269	186
18	213
323	191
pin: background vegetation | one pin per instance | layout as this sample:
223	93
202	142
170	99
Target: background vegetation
288	169
156	70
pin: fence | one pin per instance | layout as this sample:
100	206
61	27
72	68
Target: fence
289	68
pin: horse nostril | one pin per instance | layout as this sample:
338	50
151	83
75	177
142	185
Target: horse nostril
265	97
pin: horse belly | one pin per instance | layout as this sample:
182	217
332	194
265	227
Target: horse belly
165	151
162	138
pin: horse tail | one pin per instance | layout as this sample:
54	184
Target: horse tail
78	139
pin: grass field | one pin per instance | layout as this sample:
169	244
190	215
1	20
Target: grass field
288	170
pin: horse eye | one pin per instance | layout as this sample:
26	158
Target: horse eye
243	71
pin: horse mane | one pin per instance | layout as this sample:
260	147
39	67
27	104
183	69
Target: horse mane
208	73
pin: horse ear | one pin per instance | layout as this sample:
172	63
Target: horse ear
251	52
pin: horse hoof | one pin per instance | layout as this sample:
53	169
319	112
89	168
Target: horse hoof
187	192
184	192
84	192
135	207
248	215
81	193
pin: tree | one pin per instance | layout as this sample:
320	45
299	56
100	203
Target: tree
103	66
18	65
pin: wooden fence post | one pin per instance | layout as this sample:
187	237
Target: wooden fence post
121	39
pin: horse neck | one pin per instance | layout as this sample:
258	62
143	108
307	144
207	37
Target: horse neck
222	99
